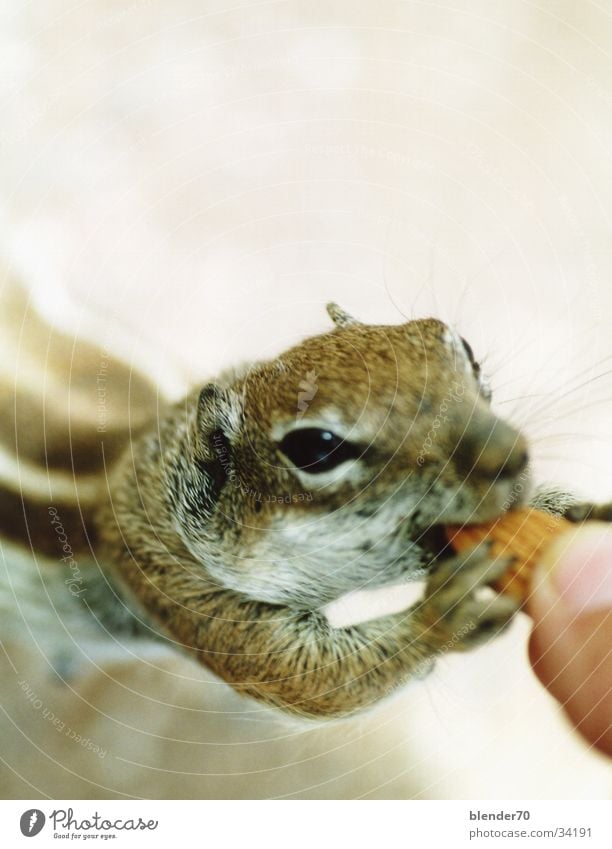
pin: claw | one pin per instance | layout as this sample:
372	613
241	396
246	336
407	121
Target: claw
474	566
451	607
586	510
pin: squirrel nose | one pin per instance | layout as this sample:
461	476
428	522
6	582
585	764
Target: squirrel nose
493	451
502	456
516	462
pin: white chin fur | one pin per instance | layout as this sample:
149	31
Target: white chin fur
363	605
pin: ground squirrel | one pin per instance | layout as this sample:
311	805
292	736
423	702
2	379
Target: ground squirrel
228	520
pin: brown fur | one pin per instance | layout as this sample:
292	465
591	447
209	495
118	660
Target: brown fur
52	430
202	567
206	527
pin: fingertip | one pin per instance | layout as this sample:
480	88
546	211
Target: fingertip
570	648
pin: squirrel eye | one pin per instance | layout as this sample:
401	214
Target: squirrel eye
315	450
470	355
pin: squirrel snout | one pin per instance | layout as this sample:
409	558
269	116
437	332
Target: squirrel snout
493	451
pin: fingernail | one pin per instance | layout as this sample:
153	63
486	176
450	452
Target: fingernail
577	567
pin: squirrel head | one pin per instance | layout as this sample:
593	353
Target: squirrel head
325	469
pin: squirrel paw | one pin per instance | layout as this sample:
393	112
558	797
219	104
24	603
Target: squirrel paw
454	618
586	510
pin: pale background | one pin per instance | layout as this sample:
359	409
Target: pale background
189	182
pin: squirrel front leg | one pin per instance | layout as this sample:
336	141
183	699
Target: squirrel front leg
296	661
555	500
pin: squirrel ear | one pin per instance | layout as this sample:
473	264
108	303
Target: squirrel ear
218	417
340	317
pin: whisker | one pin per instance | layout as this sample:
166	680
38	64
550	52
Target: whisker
567	412
587	343
518	398
384	274
560	405
548	438
584	383
485	266
556	458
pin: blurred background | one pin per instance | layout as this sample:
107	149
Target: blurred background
187	184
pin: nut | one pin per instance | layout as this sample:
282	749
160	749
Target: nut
521	534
